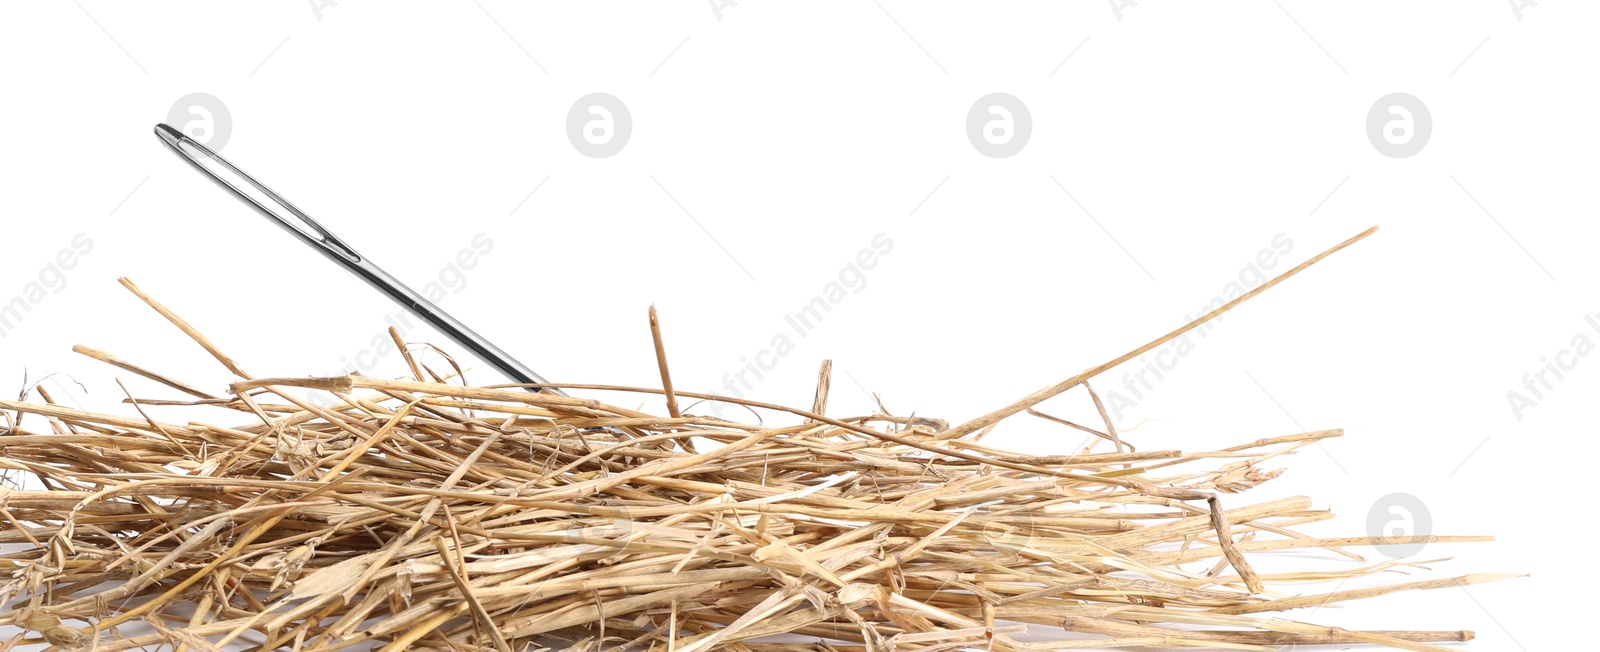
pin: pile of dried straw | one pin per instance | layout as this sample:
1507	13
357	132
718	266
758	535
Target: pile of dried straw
423	514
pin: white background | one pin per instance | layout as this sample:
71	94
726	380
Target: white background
791	133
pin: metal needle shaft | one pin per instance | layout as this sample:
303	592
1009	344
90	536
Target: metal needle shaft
277	209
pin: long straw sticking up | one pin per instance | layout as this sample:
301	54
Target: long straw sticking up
1053	390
